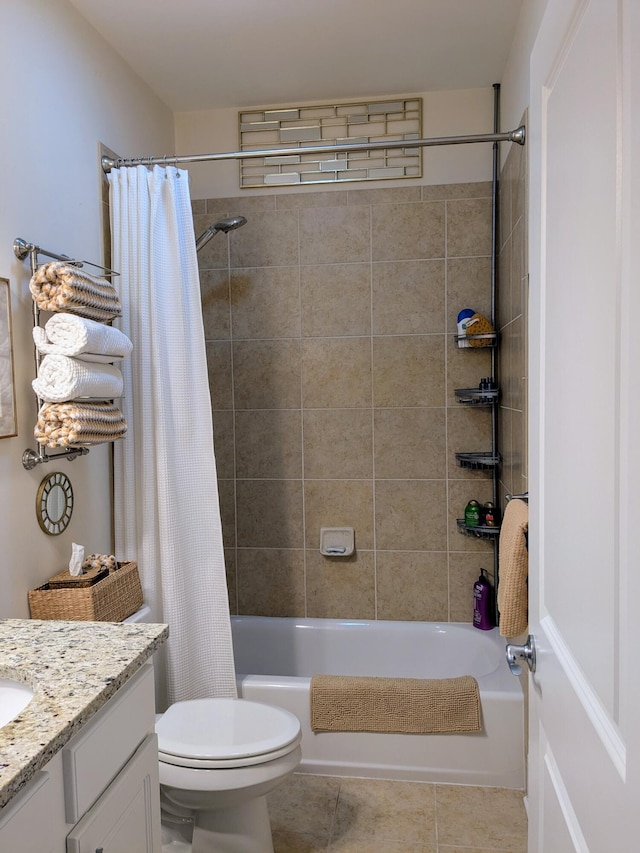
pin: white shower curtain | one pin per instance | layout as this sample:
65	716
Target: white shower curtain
167	515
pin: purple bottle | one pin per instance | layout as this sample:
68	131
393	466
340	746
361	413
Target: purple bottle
483	603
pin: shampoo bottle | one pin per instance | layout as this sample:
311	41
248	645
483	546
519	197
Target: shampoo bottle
483	603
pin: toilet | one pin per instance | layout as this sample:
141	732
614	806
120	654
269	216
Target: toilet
218	760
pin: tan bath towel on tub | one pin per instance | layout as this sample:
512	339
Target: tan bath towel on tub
344	703
514	569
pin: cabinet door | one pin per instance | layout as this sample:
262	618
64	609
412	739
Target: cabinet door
126	818
30	819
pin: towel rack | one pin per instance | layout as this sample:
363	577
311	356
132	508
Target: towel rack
22	249
524	497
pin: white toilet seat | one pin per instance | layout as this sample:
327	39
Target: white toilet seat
212	734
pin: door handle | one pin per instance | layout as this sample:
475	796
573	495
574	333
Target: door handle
517	654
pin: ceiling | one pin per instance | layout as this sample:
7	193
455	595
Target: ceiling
210	54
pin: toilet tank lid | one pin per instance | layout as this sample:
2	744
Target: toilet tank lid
224	729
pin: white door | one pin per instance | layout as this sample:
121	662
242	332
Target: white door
584	540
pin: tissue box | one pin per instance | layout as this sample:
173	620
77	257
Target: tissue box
110	599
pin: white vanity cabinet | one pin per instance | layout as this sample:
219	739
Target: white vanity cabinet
101	791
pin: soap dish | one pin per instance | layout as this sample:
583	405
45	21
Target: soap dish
337	541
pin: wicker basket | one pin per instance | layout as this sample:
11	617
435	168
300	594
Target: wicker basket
111	599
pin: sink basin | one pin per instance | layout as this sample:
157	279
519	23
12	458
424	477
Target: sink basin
14	698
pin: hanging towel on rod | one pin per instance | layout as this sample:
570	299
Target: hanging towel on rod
86	340
61	378
58	286
514	569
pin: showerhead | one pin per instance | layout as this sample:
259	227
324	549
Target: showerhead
224	225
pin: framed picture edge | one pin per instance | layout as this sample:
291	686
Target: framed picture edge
8	422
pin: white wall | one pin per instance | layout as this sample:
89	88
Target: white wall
62	91
514	94
447	113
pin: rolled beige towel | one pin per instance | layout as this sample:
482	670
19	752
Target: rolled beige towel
79	424
58	286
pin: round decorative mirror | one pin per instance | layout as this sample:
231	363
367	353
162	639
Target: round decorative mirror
54	503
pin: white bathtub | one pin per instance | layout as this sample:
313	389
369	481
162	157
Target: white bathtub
276	657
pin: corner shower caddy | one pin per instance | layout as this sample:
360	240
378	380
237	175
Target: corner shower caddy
486	397
22	250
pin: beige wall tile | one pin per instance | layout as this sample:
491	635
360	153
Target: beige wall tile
218	208
335	299
269	513
410	443
504	302
519	183
271	582
336	372
408	370
232	587
465	369
339	503
245	205
224	443
227	499
408	297
505	188
328	198
392	195
468	286
265	303
468	431
468	227
435	192
512	358
517	461
333	235
460	493
220	374
268	444
338	444
215	253
518	268
505	433
464	570
340	588
266	374
214	286
407	231
282	334
410	515
267	240
412	586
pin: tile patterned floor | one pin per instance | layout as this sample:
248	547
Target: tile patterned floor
323	813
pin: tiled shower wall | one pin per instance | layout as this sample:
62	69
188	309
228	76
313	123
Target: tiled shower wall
512	314
330	321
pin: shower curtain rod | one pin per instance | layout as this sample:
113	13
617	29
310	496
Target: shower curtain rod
517	135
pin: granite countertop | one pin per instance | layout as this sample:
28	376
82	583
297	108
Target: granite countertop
73	669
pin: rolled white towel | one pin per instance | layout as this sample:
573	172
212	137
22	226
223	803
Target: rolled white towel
88	340
61	378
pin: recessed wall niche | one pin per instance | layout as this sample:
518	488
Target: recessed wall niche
307	127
